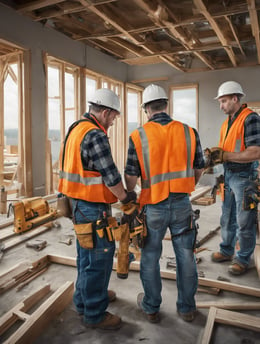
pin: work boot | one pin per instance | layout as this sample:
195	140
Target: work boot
237	268
151	317
189	316
218	257
110	322
111	295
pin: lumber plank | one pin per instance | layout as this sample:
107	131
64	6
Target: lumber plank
246	321
135	266
26	236
6	223
229	305
209	326
257	257
36	323
7	233
9	318
199	192
14	271
70	261
22	273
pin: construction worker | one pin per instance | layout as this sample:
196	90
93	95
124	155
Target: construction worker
167	156
90	178
239	151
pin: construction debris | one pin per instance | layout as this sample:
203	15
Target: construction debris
37	244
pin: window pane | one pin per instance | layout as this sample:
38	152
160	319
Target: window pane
91	86
54	133
132	111
185	106
11	108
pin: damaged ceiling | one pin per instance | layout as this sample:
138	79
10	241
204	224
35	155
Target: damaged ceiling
188	35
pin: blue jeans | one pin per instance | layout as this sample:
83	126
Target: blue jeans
173	213
237	223
94	266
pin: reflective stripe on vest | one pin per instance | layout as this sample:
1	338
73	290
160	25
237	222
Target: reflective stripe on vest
76	178
146	184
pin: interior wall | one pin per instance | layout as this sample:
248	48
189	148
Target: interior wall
37	38
210	116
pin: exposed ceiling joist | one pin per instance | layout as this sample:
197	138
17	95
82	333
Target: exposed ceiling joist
188	35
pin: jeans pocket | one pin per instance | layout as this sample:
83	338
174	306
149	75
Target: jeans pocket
106	252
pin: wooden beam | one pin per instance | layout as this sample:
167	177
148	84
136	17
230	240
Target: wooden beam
235	35
203	9
236	288
26	236
254	25
36	322
9	318
114	22
229	305
223	316
140	81
35	5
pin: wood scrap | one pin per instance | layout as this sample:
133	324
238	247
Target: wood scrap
22	273
28	280
204	201
236	288
199	192
208	290
35	323
9	318
229	305
208	236
227	317
26	236
257	257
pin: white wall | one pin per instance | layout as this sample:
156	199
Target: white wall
210	117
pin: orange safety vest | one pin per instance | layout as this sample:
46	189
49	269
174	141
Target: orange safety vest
74	181
233	141
166	154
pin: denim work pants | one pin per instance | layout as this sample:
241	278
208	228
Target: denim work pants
173	213
237	223
94	266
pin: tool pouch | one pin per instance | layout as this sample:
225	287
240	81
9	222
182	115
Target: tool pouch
84	232
64	206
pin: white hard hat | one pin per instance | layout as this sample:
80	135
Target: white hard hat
107	98
153	92
230	87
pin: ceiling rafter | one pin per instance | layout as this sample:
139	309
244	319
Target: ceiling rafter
114	23
187	35
235	34
203	9
177	35
254	25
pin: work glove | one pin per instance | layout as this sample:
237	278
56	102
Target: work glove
128	204
129	207
216	155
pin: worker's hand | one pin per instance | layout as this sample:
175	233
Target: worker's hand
130	219
130	197
207	157
216	155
